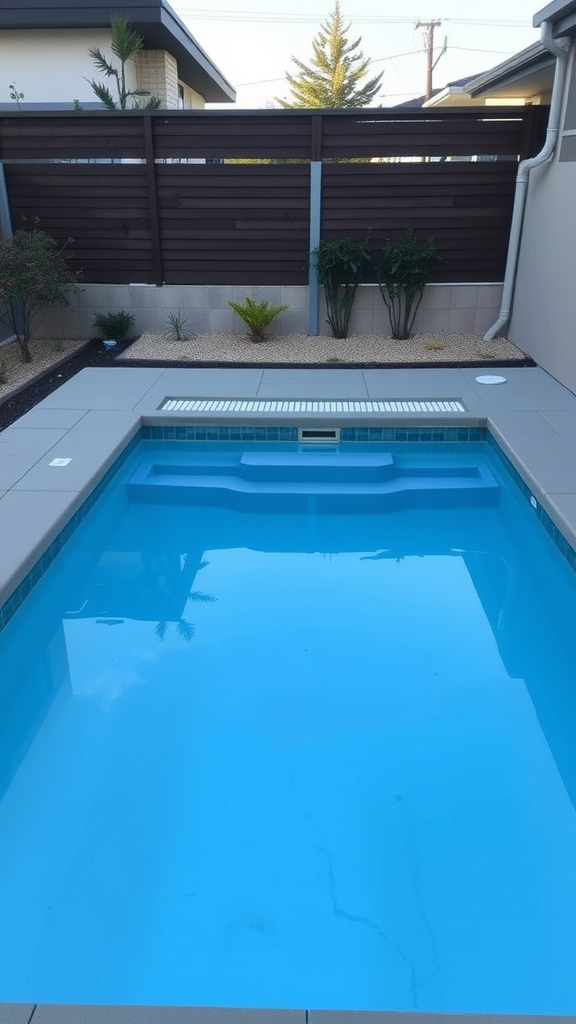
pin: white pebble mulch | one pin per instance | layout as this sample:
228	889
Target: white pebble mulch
301	349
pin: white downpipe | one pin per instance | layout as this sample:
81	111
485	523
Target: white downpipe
562	54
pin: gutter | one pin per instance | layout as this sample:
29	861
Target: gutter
561	52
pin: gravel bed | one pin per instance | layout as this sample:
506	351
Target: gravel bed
299	349
45	353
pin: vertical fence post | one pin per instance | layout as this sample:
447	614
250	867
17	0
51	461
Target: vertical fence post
6	229
153	200
5	218
315	220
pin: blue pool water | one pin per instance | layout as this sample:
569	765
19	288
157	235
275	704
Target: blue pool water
315	758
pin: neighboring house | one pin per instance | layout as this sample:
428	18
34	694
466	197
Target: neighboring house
525	78
44	48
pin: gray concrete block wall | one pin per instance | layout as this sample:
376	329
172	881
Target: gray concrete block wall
456	308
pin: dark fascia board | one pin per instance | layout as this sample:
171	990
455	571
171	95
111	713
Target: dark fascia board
533	59
562	13
153	19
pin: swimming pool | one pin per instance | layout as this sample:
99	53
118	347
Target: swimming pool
317	757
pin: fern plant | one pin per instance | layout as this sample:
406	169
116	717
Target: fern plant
340	267
403	269
257	316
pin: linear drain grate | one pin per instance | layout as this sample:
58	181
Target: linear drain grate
255	406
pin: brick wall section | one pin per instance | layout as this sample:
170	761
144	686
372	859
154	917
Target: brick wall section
157	72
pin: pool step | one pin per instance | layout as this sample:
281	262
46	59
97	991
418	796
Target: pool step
286	481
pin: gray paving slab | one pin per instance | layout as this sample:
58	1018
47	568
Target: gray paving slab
16	1013
525	388
103	388
58	419
563	421
331	389
407	1017
29	522
92	446
422	384
20	450
225	383
53	1014
544	458
283	376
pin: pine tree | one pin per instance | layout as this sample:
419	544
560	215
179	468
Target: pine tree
333	79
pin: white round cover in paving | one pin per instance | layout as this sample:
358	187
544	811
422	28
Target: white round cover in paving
490	378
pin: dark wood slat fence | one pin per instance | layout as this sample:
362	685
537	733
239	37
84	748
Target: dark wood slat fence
120	185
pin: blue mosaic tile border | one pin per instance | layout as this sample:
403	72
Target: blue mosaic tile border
564	547
418	435
415	435
13	603
239	432
207	432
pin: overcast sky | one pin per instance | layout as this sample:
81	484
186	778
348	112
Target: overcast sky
252	41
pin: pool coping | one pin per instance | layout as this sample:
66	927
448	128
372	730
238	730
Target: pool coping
48	1013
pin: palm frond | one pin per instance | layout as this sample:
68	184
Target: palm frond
161	629
101	64
126	42
197	597
185	630
103	93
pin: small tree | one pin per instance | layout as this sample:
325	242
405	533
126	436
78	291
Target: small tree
403	268
340	267
125	45
333	80
34	273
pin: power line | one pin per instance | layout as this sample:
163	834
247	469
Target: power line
204	14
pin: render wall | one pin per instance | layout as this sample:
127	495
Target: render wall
543	321
52	65
456	308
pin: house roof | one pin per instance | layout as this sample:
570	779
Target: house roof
155	20
504	80
458	85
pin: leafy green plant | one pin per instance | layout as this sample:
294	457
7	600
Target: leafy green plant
3	373
58	344
115	326
403	269
257	316
15	96
340	267
178	327
34	273
125	45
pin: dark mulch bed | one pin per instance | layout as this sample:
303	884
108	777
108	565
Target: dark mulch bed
94	354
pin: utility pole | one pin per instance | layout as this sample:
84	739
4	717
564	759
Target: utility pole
429	26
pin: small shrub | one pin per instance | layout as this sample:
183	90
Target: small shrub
58	344
257	316
3	373
486	355
115	326
177	327
34	273
403	269
340	267
334	359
